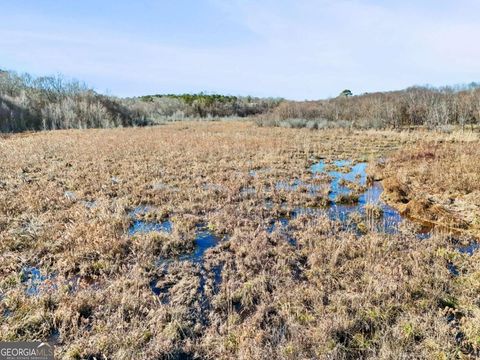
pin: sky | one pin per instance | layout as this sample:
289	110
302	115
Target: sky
295	49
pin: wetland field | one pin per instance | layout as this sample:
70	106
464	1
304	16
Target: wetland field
226	240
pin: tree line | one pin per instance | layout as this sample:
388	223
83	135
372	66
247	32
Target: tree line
54	102
416	106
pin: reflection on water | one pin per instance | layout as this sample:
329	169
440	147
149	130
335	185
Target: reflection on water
35	281
142	227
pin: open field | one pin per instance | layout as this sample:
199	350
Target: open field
218	240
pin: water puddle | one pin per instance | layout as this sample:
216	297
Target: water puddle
452	269
35	282
140	226
281	225
373	214
204	240
203	298
7	313
143	227
54	338
368	212
469	249
347	181
295	185
343	173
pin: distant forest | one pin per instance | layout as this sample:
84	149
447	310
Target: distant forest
53	102
428	107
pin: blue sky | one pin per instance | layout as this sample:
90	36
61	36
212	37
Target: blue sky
298	49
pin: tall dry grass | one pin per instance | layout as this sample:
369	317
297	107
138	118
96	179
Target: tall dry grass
65	200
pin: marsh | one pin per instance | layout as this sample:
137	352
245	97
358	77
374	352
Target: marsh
245	268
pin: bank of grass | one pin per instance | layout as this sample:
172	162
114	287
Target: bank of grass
65	201
437	182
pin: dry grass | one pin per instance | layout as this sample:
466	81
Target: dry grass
65	199
437	182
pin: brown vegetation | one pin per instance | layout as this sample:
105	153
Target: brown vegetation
66	201
437	182
416	106
45	103
52	102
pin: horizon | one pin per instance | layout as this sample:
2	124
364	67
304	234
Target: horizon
453	87
302	50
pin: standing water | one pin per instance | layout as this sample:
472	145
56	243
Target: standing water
379	216
362	210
